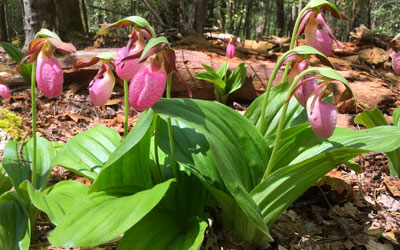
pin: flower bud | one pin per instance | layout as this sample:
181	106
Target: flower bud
230	50
5	91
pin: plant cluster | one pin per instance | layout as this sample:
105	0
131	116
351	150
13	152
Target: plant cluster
184	155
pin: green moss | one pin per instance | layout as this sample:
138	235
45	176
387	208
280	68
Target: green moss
103	31
12	124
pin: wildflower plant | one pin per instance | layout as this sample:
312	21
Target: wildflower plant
184	155
223	84
396	56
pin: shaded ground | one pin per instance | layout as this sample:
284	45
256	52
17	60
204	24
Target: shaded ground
344	210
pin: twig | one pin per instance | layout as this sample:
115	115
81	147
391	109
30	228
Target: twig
187	69
326	199
153	12
259	78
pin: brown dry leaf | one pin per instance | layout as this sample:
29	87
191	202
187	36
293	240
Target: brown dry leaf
23	95
344	190
113	102
76	118
389	202
393	186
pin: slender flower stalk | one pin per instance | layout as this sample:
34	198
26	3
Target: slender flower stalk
126	98
34	139
170	135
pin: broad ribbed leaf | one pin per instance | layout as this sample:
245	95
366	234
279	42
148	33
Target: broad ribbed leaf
106	217
283	186
86	153
239	150
129	164
236	79
5	182
295	114
373	118
396	117
222	70
161	230
14	223
60	199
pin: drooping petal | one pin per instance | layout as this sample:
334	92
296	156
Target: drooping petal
322	117
49	75
304	91
296	69
146	88
127	69
230	50
100	89
5	91
396	63
318	38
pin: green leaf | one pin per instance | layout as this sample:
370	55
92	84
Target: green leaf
15	54
60	199
241	160
106	217
396	117
14	223
374	118
295	114
214	79
371	118
106	56
44	154
161	230
137	21
222	70
86	153
129	164
396	37
306	50
17	170
47	33
5	182
153	42
236	79
319	3
284	185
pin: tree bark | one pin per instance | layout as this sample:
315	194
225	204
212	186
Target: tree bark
280	17
3	23
83	12
247	21
260	29
201	16
31	20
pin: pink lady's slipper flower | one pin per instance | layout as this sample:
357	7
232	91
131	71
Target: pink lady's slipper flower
305	89
102	85
126	68
49	75
396	63
147	86
230	48
321	115
4	90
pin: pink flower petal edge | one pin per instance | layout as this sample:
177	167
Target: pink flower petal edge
396	63
318	38
322	117
146	88
305	91
127	69
5	91
100	89
49	75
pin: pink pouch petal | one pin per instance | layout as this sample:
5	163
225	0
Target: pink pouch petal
396	63
146	88
318	38
322	117
5	91
49	76
230	51
127	69
100	89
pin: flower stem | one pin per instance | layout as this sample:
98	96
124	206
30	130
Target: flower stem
170	135
158	174
282	122
126	95
269	86
33	92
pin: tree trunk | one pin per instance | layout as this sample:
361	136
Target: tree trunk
3	23
280	17
201	16
247	21
83	12
239	27
31	20
260	29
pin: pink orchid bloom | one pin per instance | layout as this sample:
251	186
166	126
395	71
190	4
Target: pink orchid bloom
101	87
4	90
49	75
396	63
305	89
127	68
321	39
230	48
147	86
321	115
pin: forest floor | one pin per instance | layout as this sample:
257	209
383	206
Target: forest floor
344	210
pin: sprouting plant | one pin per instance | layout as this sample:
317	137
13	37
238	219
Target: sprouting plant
225	85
